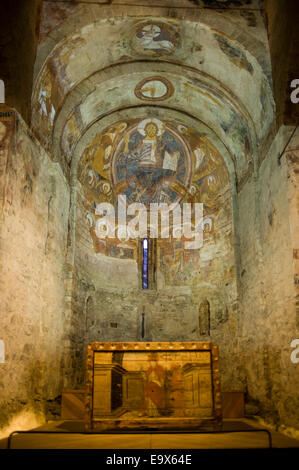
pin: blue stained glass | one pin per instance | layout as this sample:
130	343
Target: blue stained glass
145	264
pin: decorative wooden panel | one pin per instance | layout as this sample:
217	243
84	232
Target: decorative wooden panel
152	385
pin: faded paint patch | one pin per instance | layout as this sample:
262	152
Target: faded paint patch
53	15
235	54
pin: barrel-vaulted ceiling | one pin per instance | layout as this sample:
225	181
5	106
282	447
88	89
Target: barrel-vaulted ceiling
205	68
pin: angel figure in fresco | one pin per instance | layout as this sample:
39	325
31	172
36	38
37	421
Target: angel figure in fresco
101	160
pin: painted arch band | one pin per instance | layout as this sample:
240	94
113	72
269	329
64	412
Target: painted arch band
172	219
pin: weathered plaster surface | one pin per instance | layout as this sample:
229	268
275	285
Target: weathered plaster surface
33	233
267	318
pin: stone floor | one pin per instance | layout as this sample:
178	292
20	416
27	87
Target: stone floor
63	436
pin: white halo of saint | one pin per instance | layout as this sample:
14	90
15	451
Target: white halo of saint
105	188
193	190
142	125
182	129
90	219
123	233
207	222
91	177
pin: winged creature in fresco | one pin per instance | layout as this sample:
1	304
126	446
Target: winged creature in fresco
152	37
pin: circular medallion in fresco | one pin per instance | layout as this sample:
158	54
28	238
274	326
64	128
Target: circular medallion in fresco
154	89
155	38
151	163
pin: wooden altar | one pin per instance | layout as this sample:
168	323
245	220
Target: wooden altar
173	385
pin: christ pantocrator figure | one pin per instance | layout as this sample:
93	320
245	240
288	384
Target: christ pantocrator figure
148	152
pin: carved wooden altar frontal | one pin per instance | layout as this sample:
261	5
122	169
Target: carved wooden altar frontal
152	385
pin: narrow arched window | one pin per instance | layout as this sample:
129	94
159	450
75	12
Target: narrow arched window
147	263
145	246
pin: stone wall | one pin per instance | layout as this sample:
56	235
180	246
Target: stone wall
33	233
292	161
267	322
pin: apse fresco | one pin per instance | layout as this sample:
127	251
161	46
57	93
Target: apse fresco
151	161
